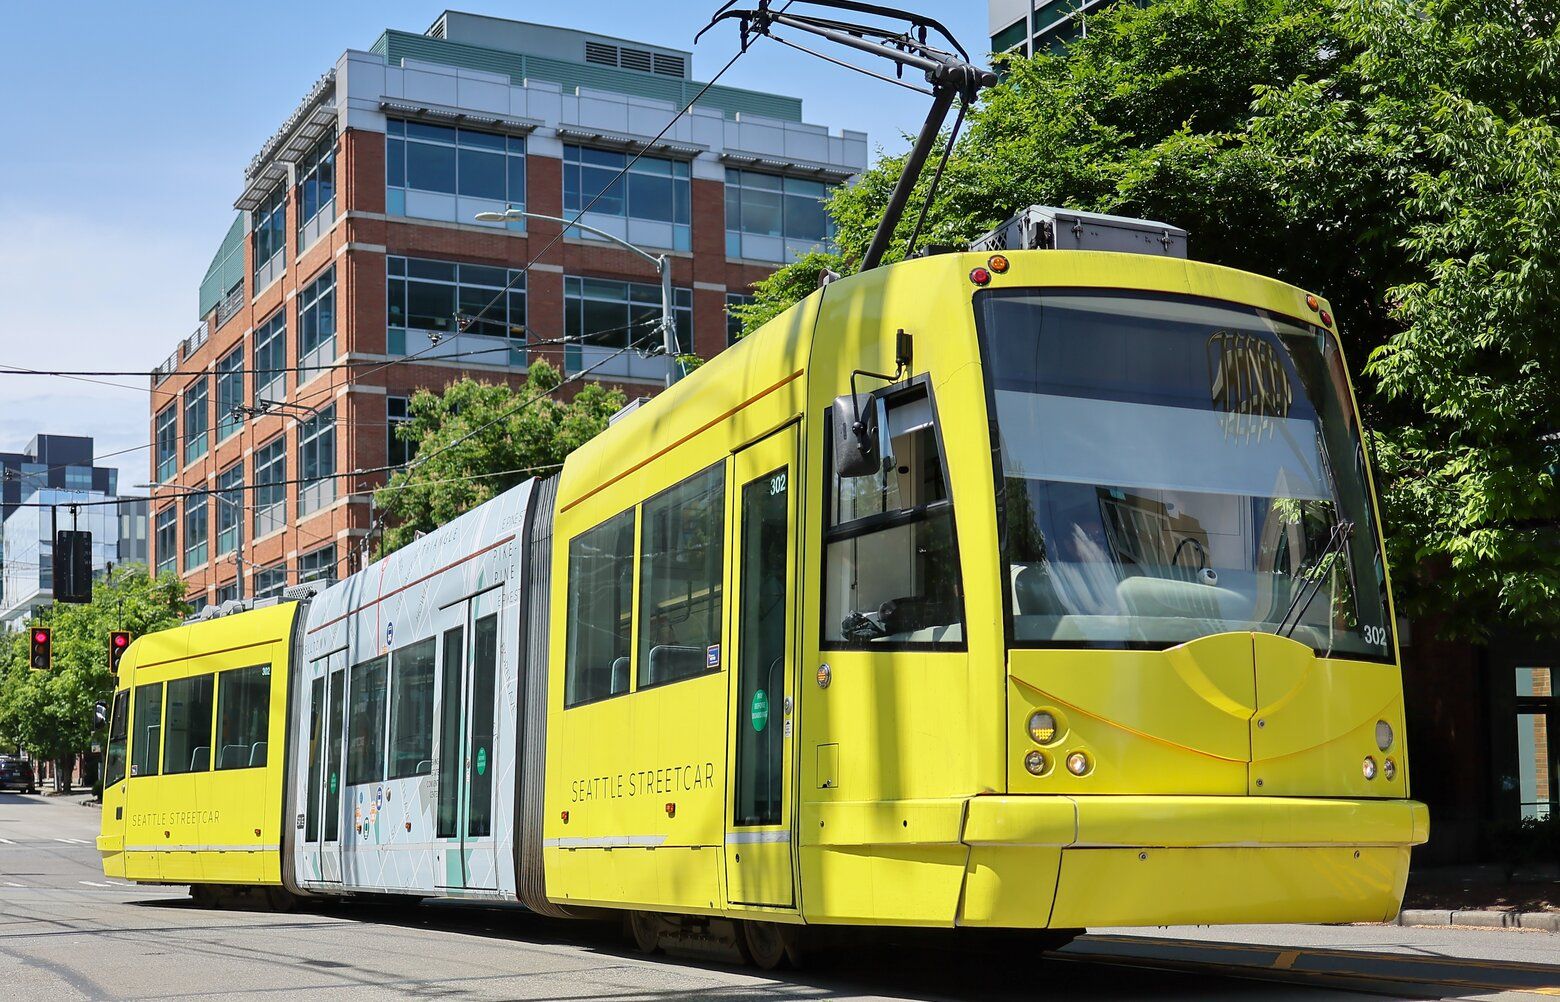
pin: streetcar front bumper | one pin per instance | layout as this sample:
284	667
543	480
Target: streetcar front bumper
1080	861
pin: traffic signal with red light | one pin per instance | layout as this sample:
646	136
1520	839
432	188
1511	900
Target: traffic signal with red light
42	657
118	643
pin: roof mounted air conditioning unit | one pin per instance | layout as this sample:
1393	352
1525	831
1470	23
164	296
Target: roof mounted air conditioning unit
1045	227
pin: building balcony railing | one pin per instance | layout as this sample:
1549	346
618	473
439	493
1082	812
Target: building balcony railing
228	308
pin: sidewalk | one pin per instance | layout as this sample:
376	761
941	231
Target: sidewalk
1383	956
1488	896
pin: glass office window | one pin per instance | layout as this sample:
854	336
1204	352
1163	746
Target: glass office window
167	442
317	322
607	314
447	297
230	393
269	231
196	527
317	461
271	358
774	218
270	489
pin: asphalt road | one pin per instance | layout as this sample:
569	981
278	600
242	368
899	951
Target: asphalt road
68	932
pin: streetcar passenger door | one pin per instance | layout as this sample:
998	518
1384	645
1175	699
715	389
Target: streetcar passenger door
467	756
322	812
762	635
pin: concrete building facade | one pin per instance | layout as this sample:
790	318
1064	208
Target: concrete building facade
1030	26
355	272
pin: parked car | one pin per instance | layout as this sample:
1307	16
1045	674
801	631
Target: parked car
17	774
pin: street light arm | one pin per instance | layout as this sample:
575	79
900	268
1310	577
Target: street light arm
567	224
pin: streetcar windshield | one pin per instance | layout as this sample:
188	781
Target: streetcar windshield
1176	467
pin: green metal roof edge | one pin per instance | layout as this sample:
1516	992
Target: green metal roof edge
395	46
212	286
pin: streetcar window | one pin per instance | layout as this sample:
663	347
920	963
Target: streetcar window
482	754
187	743
450	705
146	743
891	564
681	563
411	711
366	723
601	603
243	717
118	729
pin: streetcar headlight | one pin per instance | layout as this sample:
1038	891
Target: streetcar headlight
1383	735
1368	767
1078	763
1042	727
1036	763
1389	770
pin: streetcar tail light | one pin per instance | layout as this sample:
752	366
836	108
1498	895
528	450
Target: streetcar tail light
1389	770
980	276
1383	735
1368	768
1036	763
1078	763
1326	319
1042	727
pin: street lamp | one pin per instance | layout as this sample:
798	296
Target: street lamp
663	268
238	554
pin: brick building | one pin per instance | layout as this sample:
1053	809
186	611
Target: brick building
336	292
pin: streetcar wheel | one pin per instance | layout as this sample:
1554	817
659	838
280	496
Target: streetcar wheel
763	944
204	896
645	930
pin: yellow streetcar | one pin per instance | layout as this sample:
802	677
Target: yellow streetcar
1035	590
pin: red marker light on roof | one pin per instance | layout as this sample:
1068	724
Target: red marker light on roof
1327	318
980	276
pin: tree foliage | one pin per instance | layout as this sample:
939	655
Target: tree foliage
49	713
1399	158
519	433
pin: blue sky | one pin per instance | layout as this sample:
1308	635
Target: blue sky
128	126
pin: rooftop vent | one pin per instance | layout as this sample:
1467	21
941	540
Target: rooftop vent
643	60
601	53
1045	227
438	29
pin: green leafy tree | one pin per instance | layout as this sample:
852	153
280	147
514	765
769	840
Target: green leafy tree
476	440
1400	158
49	713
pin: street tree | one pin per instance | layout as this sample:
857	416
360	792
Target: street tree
49	713
475	440
1398	158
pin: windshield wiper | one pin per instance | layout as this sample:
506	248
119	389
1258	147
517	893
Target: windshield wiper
1313	582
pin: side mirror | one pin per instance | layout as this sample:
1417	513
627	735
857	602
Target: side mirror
99	715
862	447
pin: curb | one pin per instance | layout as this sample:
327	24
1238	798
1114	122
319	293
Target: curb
1542	921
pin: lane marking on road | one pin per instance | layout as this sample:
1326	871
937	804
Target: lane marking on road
93	883
12	883
7	841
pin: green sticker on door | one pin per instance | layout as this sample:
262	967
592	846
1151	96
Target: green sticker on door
332	782
760	710
481	761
